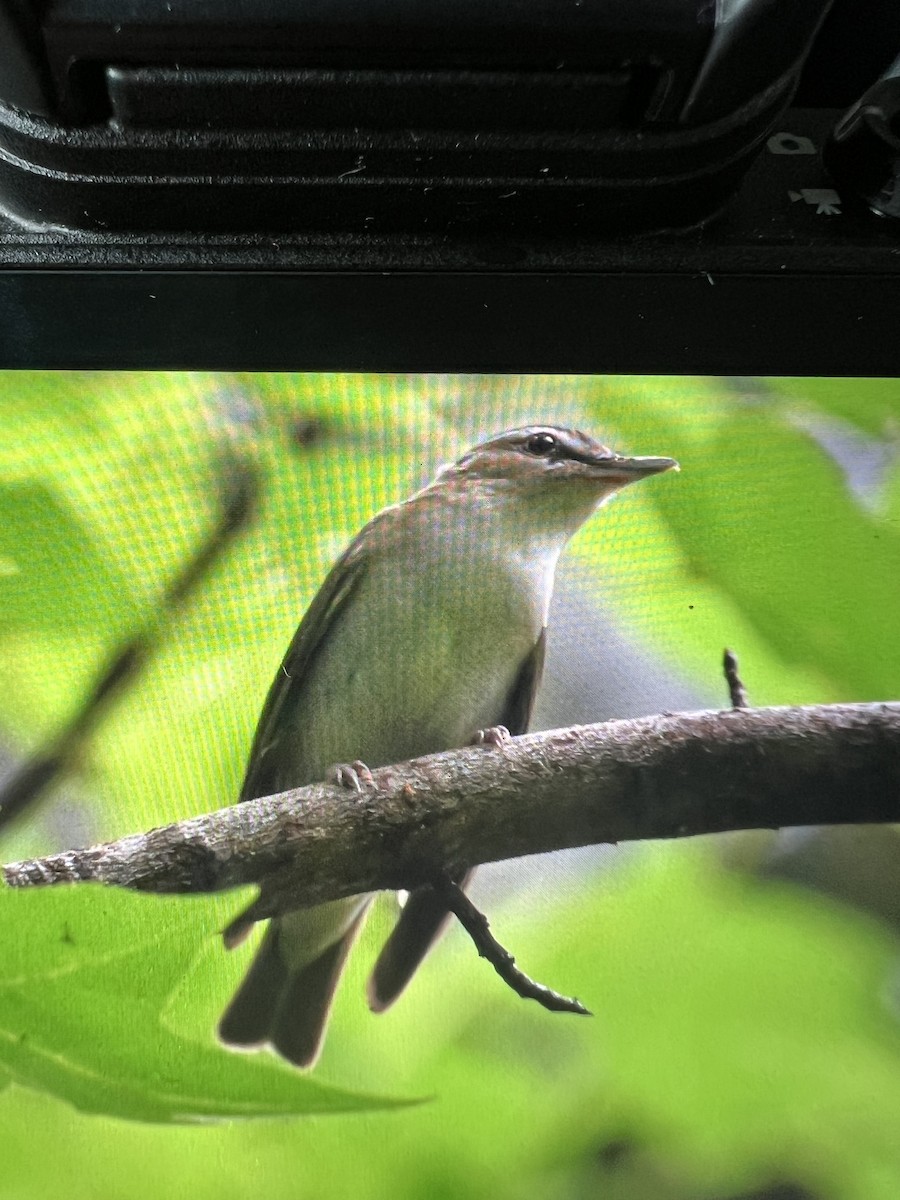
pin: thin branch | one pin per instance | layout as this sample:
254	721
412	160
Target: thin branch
672	775
736	692
476	926
26	785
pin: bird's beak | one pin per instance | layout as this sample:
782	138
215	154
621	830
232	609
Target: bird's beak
621	470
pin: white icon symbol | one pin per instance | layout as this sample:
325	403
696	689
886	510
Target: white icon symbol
790	143
826	200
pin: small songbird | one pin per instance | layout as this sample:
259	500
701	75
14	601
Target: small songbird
429	630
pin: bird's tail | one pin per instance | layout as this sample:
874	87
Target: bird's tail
286	996
418	927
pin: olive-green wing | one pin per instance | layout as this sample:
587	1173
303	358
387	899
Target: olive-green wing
286	692
264	775
424	916
285	998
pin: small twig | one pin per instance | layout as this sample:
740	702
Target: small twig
42	768
238	490
476	926
735	686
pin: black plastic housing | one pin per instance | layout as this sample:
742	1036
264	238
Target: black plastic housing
387	115
794	275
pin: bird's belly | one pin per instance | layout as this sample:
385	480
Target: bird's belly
402	688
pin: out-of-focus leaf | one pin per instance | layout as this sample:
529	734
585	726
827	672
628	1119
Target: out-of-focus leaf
802	558
61	605
739	1015
86	975
763	515
871	405
740	1035
741	1032
51	573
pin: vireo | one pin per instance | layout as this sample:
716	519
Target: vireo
429	628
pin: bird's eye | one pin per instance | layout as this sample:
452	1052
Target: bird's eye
541	444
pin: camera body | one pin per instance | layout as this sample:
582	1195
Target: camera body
610	186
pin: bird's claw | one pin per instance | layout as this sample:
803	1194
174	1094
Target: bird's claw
351	775
495	735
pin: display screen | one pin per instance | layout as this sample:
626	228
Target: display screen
744	1040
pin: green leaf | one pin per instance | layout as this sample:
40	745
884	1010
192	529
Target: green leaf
740	1028
86	974
764	526
870	405
51	574
816	573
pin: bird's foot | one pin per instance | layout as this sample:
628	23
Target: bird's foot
496	735
351	775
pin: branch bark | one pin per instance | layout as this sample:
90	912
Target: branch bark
477	927
672	775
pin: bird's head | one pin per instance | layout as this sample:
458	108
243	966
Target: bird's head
551	472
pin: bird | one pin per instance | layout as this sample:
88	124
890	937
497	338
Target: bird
428	634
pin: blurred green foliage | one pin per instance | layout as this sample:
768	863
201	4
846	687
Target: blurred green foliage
82	1007
745	1032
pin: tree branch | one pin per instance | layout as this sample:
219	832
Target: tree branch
476	926
671	775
